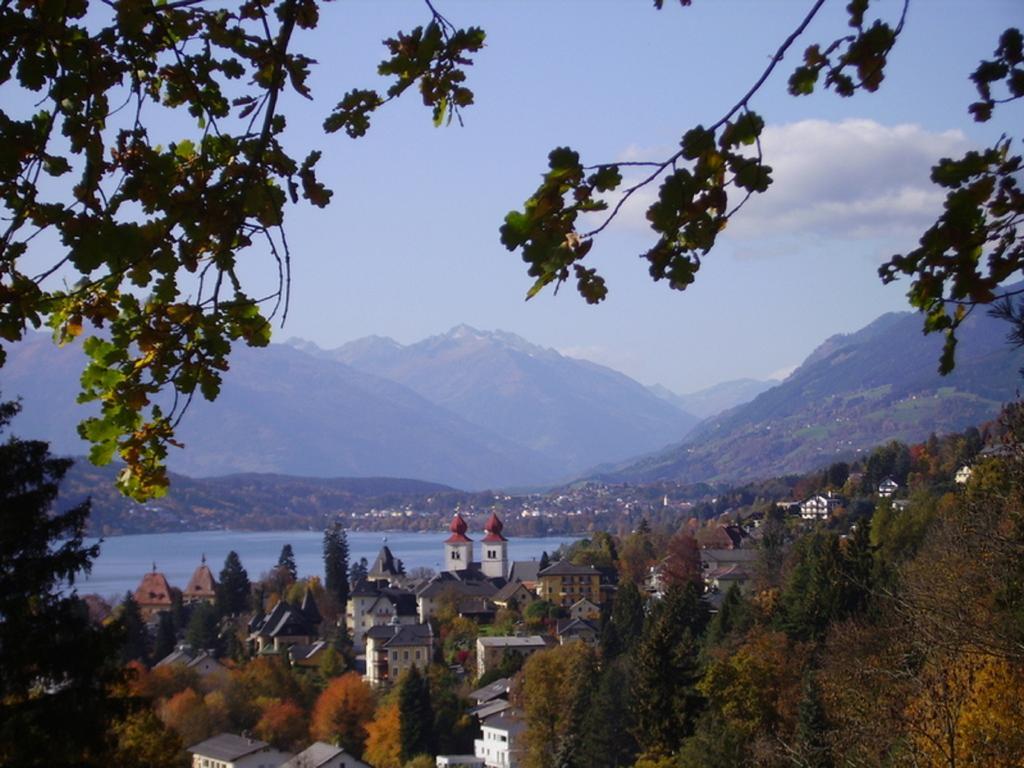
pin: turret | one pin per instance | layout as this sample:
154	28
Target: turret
458	548
494	560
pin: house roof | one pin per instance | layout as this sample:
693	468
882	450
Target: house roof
475	605
510	641
384	565
458	528
228	747
492	691
304	652
316	754
565	568
574	627
284	620
508	719
310	609
488	708
202	583
153	589
524	570
177	656
719	556
365	588
508	591
467	583
396	635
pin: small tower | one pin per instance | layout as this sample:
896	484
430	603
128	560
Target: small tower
494	559
458	548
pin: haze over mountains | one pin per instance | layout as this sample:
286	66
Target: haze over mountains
853	392
474	409
479	410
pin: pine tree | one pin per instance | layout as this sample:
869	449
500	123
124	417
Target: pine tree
811	728
55	666
358	571
136	640
166	637
287	561
202	628
545	561
628	615
666	702
607	728
416	715
336	564
234	588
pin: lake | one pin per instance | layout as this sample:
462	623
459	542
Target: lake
124	559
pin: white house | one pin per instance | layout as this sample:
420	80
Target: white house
820	507
887	488
499	743
230	751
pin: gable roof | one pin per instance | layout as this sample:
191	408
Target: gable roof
467	583
574	627
509	590
228	747
397	635
565	568
512	641
494	690
316	754
524	570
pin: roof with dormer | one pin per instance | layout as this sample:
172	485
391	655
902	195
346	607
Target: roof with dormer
493	529
202	583
153	590
458	529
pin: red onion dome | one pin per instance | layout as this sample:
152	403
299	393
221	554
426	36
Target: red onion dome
493	528
458	529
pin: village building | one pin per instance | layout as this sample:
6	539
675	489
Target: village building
565	583
820	507
585	609
200	662
887	488
500	743
568	630
494	555
491	650
285	625
373	604
395	648
201	588
231	751
514	595
322	755
153	594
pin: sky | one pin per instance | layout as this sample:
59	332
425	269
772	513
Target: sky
409	247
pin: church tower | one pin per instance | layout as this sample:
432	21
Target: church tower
494	559
458	548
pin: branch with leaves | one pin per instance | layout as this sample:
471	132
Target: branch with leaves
153	236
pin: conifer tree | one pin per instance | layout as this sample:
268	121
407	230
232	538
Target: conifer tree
202	628
416	715
607	740
136	640
233	588
545	561
55	666
166	637
286	560
811	745
628	615
336	564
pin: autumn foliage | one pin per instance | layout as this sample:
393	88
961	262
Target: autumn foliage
342	712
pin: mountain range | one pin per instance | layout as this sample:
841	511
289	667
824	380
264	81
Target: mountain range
468	409
853	392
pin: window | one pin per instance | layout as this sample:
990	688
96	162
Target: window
405	655
418	654
394	655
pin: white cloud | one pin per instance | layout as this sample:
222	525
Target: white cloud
851	179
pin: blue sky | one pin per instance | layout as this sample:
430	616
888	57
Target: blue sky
409	246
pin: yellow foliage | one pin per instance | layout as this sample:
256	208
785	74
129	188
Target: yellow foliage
384	738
